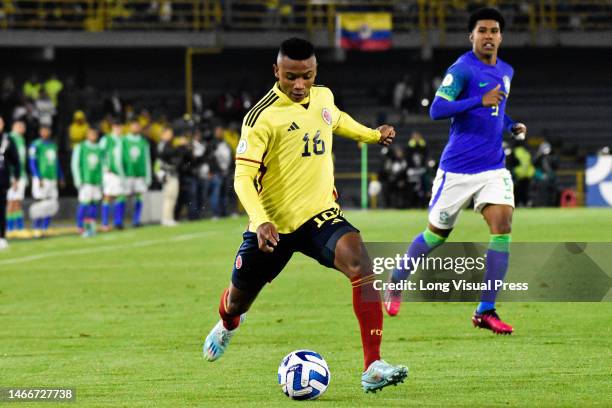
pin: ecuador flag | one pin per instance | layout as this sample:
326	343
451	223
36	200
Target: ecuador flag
364	31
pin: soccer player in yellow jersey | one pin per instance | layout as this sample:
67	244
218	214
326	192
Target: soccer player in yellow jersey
285	181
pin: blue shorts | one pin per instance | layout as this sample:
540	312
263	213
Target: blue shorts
316	238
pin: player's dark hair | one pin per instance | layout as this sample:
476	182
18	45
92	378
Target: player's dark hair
486	13
296	49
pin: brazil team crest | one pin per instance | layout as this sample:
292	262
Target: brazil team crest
448	79
327	117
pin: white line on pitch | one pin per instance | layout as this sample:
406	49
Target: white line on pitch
139	244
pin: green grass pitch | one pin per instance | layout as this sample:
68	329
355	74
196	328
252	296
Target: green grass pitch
122	317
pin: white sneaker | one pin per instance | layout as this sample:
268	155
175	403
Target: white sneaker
169	223
218	340
3	244
381	374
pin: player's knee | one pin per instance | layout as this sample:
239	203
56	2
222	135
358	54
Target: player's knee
502	227
354	267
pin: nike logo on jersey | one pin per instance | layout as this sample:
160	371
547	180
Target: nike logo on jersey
293	126
483	84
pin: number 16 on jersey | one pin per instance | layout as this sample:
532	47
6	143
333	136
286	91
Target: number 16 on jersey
318	145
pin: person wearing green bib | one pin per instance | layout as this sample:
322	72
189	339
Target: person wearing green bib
86	165
15	225
46	171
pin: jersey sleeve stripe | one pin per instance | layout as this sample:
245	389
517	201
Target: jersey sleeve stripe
261	102
259	180
249	160
260	110
445	96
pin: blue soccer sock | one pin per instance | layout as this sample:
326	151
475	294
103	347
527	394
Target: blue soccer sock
10	221
119	211
46	222
19	222
37	223
422	245
498	255
105	212
137	210
80	215
92	211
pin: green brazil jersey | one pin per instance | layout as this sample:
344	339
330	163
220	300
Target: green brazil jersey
43	154
86	164
19	142
136	157
112	147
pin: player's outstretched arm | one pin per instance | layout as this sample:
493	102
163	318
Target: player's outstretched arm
267	235
442	108
344	125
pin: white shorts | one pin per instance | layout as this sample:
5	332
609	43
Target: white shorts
452	192
113	185
19	194
136	185
89	193
48	190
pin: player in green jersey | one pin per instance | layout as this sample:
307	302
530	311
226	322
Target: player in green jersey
113	177
46	171
86	167
137	165
15	225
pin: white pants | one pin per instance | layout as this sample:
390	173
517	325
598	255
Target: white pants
113	185
19	194
170	193
452	192
44	191
135	185
89	193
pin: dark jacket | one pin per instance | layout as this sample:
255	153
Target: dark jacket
8	158
172	158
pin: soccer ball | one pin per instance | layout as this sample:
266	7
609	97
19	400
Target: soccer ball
303	375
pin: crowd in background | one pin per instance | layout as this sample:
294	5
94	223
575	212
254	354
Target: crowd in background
407	173
196	152
192	156
35	102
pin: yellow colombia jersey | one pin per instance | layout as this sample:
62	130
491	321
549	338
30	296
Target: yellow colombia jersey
291	145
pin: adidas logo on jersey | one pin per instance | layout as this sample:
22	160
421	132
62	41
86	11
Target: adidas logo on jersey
293	126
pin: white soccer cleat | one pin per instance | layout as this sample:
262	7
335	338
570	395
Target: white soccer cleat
3	244
381	374
218	340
